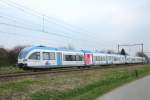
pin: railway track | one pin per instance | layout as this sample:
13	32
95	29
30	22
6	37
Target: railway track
62	70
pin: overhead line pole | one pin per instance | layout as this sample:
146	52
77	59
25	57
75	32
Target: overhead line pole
43	23
130	45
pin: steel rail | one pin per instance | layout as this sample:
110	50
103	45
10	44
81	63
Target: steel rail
62	70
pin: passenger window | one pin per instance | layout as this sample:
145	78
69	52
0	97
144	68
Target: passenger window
73	58
35	56
67	57
101	58
104	58
97	58
94	58
52	55
46	56
77	58
109	57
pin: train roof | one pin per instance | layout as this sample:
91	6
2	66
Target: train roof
86	51
28	49
48	48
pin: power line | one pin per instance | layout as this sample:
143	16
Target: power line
131	45
50	33
43	28
43	38
24	9
31	29
21	8
28	36
18	22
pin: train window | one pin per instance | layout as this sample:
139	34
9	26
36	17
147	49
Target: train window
108	58
46	56
73	58
115	59
111	57
52	55
103	58
97	58
35	56
94	58
77	58
68	57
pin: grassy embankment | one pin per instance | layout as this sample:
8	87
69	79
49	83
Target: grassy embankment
10	69
83	85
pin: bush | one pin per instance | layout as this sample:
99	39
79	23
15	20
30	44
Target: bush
3	57
9	57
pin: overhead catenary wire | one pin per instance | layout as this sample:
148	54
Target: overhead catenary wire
22	24
43	38
21	8
29	36
25	10
50	33
19	21
27	28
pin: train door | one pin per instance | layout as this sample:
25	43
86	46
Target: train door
88	59
59	58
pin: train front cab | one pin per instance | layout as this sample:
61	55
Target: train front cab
42	58
39	57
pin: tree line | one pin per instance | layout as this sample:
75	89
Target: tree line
8	57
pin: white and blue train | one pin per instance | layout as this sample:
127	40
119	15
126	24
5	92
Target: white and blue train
46	57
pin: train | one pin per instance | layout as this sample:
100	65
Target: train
47	57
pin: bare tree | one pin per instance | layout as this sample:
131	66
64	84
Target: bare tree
9	57
3	57
13	54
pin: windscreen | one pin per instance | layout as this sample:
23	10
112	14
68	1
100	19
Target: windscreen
23	53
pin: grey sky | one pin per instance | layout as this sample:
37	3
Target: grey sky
88	24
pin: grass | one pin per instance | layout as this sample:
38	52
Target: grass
84	85
10	69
